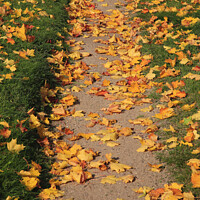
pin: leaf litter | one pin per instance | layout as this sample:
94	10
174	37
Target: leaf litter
73	162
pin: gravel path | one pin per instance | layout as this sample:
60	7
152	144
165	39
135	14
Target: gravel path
125	152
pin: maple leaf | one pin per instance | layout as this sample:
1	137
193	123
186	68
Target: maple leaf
106	83
188	107
187	21
110	136
5	132
150	75
142	121
68	100
155	168
196	116
110	179
118	167
79	113
59	110
165	113
195	180
75	55
84	155
98	164
33	172
20	32
51	193
111	143
14	147
30	182
127	179
171	128
192	76
147	109
126	131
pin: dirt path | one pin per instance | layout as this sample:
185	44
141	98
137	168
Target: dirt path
96	98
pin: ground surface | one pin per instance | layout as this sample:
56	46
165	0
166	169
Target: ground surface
125	152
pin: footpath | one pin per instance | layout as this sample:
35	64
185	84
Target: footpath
111	115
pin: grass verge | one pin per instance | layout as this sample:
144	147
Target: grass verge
169	33
30	32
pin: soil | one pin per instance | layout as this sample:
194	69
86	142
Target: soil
126	152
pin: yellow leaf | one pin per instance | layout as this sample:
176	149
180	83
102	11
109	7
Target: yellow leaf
110	179
172	145
33	172
20	33
96	164
118	167
104	5
34	122
95	138
79	113
14	147
126	131
30	182
30	52
110	136
111	144
127	179
165	113
142	121
76	89
85	54
172	139
147	109
155	168
171	128
196	116
188	107
150	75
58	110
75	55
192	76
5	124
87	136
143	189
112	39
12	198
84	155
184	61
196	151
188	196
51	193
68	100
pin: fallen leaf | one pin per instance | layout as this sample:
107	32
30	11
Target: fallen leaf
30	182
155	168
110	179
118	167
14	147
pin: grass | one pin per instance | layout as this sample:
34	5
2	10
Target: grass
22	91
175	158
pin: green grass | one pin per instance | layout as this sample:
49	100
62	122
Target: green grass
19	94
175	158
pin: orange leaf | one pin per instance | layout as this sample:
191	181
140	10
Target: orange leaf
11	41
196	68
195	179
153	137
106	83
165	113
5	132
189	137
